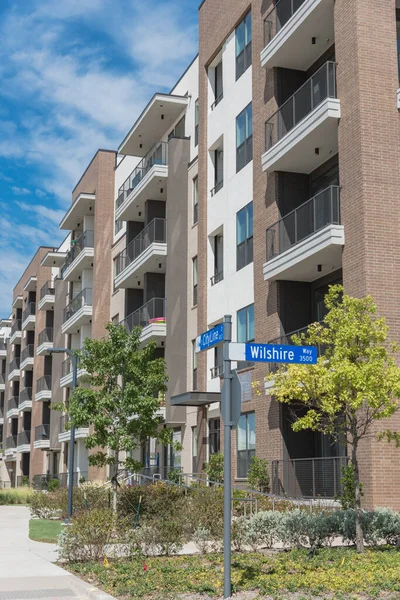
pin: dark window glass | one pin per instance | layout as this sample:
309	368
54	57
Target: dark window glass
244	236
196	123
243	46
214	436
246	443
244	137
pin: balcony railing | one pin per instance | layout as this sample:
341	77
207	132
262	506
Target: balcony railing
47	290
25	395
86	240
308	477
1	412
217	278
12	403
151	312
29	310
66	367
315	214
315	90
27	352
218	186
216	372
278	17
64	419
24	437
45	336
217	100
84	298
155	232
11	441
14	364
3	346
2	377
42	432
16	326
43	384
157	155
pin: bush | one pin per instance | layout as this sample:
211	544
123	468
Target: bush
206	510
321	529
20	495
382	525
158	498
265	529
240	528
295	528
53	504
53	485
258	475
214	469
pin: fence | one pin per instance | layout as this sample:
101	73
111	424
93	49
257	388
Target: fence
278	17
86	240
47	289
151	312
154	232
45	336
84	298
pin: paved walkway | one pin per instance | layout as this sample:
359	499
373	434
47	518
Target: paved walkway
27	571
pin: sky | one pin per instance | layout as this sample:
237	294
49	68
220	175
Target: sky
74	76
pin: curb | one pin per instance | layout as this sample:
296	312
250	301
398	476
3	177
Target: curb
96	594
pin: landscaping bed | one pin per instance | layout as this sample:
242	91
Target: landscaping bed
336	573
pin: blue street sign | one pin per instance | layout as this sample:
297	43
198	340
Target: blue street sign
274	353
210	338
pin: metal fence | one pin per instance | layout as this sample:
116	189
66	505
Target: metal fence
42	433
84	298
45	336
29	310
12	402
24	438
278	17
16	326
154	232
27	352
47	289
66	367
14	364
25	395
315	90
11	441
308	477
86	240
151	312
315	214
43	383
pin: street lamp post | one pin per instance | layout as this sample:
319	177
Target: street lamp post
74	362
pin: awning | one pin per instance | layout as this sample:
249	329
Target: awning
196	398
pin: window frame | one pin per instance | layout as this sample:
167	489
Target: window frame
244	257
195	279
244	150
214	433
195	199
250	449
250	335
196	123
194	366
244	57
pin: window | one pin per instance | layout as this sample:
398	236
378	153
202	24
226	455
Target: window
244	237
118	226
194	449
214	436
218	87
173	457
244	137
195	200
218	259
194	360
218	161
196	123
245	329
246	443
195	281
243	46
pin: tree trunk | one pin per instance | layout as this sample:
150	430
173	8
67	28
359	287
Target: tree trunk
115	482
357	498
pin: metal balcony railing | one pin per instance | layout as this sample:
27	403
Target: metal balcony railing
14	364
12	402
278	17
42	432
45	336
47	290
25	395
11	442
308	477
27	352
24	437
3	345
43	384
315	90
86	240
66	367
216	372
157	155
1	412
217	278
2	377
16	326
84	298
217	100
315	214
154	232
151	312
78	477
218	186
29	310
64	419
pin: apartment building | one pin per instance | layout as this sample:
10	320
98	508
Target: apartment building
5	326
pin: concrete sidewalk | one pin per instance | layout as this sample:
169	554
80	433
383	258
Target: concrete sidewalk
27	571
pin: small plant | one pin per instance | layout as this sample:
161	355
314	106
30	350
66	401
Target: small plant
240	528
258	475
214	469
174	476
347	499
265	529
25	481
53	485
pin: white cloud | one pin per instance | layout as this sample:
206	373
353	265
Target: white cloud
40	193
18	191
5	178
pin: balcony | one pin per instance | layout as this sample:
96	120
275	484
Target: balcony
30	285
2	382
29	317
14	370
66	373
24	441
42	437
80	257
297	32
47	296
27	358
18	302
3	349
12	407
143	255
218	186
78	312
307	243
148	180
65	432
303	133
217	278
152	318
82	205
11	445
319	477
15	331
45	341
43	389
25	399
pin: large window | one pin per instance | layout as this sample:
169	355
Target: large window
196	122
194	449
244	137
194	362
195	200
245	329
243	46
246	443
244	236
214	436
195	281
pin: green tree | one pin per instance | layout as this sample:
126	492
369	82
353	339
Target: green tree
120	398
214	469
355	382
258	475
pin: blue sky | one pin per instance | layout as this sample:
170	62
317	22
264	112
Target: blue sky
74	75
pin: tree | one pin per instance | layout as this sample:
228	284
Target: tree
354	383
120	400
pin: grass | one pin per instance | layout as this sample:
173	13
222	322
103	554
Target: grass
45	530
18	495
337	572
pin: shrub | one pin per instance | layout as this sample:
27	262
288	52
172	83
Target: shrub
258	475
200	539
51	504
347	499
265	529
295	528
240	527
20	495
321	529
158	498
214	469
53	485
382	525
206	509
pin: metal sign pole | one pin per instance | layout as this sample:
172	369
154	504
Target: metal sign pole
226	400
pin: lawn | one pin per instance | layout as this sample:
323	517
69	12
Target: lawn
45	530
335	573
